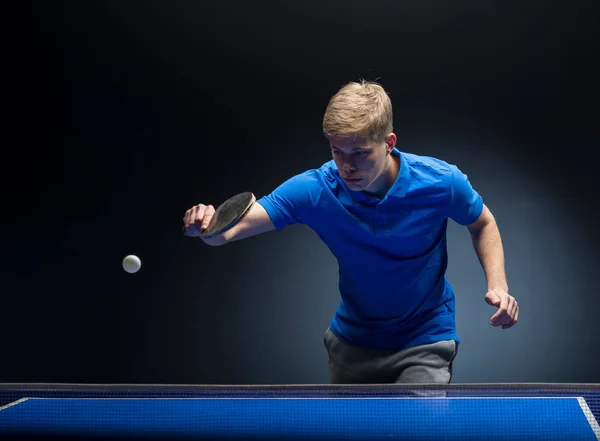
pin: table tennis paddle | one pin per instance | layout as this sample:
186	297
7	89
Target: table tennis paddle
228	214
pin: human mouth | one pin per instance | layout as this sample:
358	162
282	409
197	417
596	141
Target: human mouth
351	180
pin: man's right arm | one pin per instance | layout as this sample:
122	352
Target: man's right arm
288	204
256	221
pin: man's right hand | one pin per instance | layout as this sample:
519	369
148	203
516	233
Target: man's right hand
197	219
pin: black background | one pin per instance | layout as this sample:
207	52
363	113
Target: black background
124	114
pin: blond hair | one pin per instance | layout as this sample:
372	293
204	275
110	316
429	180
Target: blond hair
359	109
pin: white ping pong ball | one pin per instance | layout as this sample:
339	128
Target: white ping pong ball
132	264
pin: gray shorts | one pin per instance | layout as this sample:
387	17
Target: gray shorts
430	363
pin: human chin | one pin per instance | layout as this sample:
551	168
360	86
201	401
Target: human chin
353	183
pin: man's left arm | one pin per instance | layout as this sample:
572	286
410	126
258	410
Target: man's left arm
487	243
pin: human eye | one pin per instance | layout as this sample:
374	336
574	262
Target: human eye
361	153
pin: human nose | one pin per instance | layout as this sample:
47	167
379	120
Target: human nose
348	167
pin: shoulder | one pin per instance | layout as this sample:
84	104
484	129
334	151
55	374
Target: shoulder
444	185
315	179
296	198
429	172
307	185
428	165
310	180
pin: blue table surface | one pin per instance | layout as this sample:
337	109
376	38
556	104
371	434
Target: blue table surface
311	418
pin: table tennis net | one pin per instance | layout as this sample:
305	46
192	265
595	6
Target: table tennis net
304	411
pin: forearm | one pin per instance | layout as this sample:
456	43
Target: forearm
223	239
216	241
257	221
487	243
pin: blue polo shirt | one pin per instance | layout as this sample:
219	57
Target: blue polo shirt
391	251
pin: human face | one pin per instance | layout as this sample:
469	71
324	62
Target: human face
364	164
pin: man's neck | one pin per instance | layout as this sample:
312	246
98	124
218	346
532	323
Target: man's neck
388	177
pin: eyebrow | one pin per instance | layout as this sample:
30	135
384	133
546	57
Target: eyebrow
356	149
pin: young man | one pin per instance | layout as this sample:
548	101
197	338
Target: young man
383	214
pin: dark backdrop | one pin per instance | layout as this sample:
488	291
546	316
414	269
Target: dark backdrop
127	113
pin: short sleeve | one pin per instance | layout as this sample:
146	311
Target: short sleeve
291	202
466	204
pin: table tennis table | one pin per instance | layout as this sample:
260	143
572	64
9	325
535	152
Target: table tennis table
298	412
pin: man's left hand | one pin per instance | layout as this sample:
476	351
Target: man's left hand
508	308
